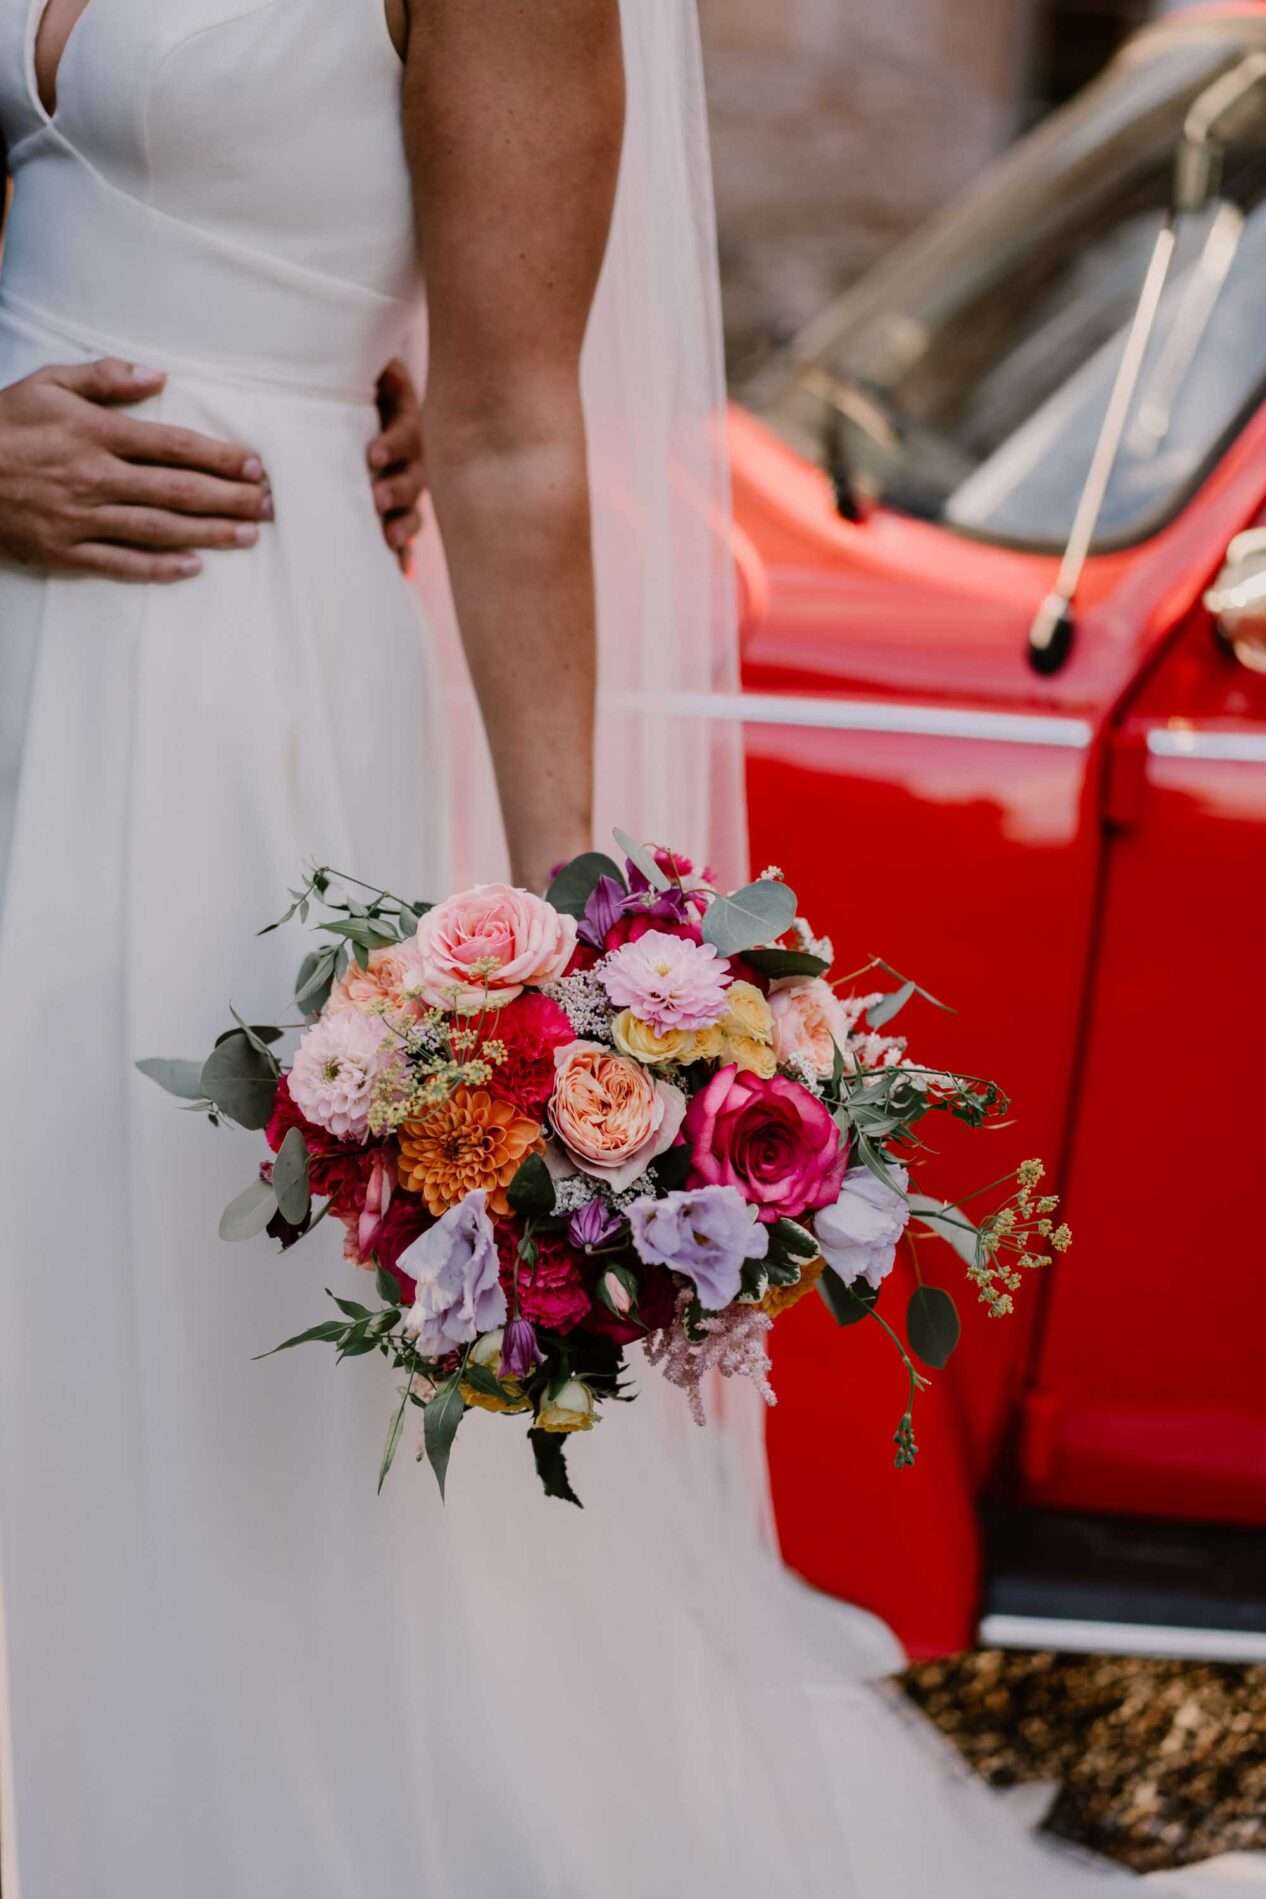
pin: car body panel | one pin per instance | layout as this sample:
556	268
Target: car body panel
1032	852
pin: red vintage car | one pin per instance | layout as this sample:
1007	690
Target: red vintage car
1047	778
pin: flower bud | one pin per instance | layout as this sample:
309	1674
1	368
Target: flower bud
571	1409
378	1193
616	1294
520	1353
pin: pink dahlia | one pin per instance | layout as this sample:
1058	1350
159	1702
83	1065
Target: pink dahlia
668	981
335	1069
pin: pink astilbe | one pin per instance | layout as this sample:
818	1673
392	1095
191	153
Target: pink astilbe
733	1343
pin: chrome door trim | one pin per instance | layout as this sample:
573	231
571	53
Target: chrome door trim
867	715
1231	748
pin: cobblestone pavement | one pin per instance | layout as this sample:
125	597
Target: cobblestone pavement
1159	1763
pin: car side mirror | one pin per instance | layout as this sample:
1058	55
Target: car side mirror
1237	600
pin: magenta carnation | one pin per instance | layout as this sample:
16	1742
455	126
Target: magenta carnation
773	1140
668	981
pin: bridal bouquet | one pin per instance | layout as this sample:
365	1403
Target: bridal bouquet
634	1112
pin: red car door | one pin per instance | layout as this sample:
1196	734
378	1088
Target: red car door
1149	1396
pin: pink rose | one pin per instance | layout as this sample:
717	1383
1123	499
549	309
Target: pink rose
612	1118
772	1140
486	945
809	1023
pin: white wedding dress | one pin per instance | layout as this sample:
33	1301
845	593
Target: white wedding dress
230	1670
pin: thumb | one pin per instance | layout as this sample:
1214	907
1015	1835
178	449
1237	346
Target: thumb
109	380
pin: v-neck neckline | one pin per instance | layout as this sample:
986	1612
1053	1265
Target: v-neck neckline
35	22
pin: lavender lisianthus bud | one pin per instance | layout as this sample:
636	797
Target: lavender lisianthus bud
520	1353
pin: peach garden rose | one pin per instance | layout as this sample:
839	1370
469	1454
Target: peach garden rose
482	948
392	979
613	1118
809	1023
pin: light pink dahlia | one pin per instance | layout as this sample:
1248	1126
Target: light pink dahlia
335	1069
668	981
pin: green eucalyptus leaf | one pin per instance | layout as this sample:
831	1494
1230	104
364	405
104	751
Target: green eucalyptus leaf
440	1420
847	1305
183	1079
258	1037
577	881
890	1005
250	1213
932	1325
640	855
315	976
780	963
388	1286
241	1081
751	918
325	1334
550	1452
357	1347
949	1223
393	1437
481	1379
350	1307
290	1179
260	1032
531	1192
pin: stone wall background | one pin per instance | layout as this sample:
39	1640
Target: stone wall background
839	125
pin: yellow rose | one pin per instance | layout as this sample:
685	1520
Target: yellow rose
571	1409
706	1045
642	1043
756	1057
486	1353
749	1013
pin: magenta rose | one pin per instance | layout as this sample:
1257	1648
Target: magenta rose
772	1140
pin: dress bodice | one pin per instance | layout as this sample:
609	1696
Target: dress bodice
223	181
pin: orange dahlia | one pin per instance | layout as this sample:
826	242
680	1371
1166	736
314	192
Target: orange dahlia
471	1140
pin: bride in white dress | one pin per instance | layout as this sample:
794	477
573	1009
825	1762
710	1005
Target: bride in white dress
229	1670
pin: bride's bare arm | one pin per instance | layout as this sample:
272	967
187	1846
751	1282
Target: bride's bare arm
513	120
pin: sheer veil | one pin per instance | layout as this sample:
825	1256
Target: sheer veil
654	387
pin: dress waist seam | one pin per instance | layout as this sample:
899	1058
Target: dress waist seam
39	324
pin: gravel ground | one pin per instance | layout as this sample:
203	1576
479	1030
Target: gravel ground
1158	1763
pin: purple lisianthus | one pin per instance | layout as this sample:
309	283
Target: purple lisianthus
705	1233
593	1223
605	907
520	1353
457	1269
858	1235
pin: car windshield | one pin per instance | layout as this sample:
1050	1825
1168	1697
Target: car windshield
965	380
